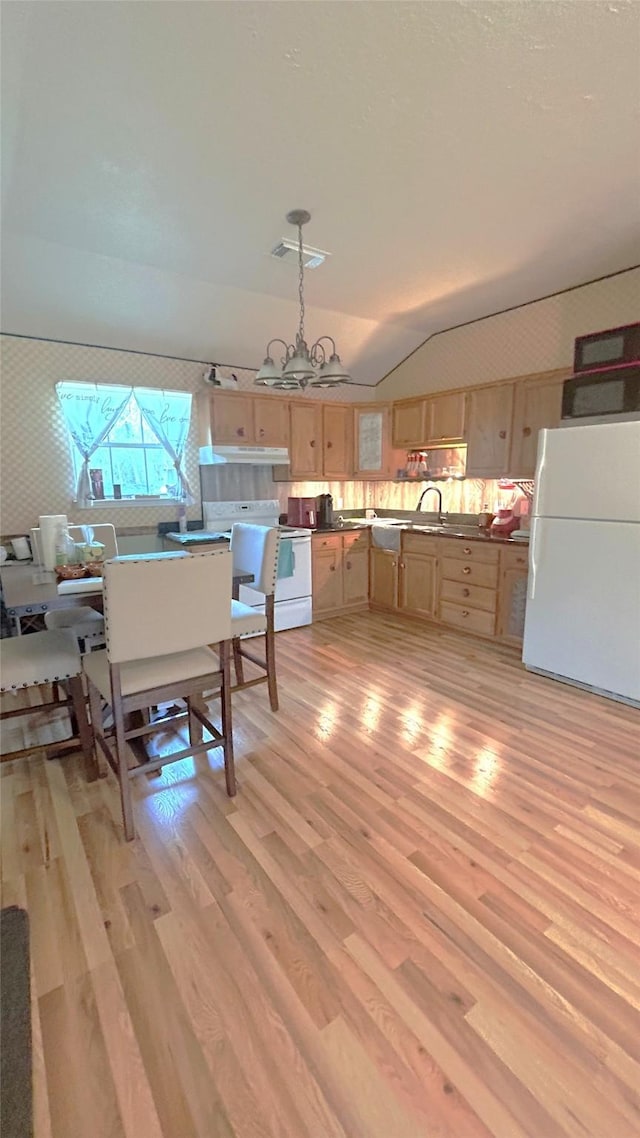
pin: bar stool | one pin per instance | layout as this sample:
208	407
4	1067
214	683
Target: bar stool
49	657
255	550
149	660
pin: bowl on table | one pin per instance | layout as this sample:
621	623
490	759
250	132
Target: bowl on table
70	572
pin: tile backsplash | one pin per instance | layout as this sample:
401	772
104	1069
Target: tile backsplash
236	483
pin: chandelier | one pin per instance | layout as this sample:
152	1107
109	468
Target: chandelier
301	366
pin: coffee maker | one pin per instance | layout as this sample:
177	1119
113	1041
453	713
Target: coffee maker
325	511
302	512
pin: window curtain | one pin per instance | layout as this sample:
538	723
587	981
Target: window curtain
90	410
168	414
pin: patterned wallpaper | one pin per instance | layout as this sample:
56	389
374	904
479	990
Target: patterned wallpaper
36	475
537	337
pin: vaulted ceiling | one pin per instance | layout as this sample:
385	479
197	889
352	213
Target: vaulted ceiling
457	159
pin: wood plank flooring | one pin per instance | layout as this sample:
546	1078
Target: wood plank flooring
418	918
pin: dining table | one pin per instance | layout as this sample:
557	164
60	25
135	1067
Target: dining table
30	591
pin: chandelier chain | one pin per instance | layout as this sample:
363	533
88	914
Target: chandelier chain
300	284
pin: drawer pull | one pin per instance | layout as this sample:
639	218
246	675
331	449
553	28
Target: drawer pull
465	612
466	550
466	592
240	431
502	434
312	442
467	569
332	568
526	432
329	445
348	565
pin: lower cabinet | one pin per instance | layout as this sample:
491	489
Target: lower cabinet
340	572
468	592
418	575
383	578
514	572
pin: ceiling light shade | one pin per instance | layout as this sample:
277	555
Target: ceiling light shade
302	366
270	374
331	373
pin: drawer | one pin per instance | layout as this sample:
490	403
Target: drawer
477	573
471	550
469	596
473	620
423	543
512	558
356	541
326	541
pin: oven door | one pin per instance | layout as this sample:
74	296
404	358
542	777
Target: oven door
290	588
606	395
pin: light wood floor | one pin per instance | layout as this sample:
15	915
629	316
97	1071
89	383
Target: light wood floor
418	919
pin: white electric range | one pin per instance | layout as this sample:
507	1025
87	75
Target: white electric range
293	594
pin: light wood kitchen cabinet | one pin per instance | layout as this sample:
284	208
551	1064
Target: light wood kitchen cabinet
417	577
409	423
305	447
514	572
446	417
468	585
417	584
489	421
232	418
327	579
340	572
538	404
355	570
383	578
337	441
271	422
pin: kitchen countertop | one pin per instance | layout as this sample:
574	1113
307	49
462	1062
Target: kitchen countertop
461	532
196	537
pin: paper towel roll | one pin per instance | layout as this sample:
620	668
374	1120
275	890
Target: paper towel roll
49	525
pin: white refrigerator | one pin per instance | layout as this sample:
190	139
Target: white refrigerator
582	621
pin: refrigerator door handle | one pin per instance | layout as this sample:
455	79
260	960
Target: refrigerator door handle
534	556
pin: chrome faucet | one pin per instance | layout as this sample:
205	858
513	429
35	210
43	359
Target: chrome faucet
441	517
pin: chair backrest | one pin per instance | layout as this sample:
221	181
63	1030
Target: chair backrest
159	604
104	532
255	550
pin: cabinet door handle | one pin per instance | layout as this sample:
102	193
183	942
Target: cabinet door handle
466	592
261	431
526	432
465	612
312	442
466	570
502	434
240	431
466	550
348	565
332	568
329	445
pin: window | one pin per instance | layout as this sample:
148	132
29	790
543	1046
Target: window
127	443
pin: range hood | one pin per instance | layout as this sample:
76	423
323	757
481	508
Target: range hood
254	456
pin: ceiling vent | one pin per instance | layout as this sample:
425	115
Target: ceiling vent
287	250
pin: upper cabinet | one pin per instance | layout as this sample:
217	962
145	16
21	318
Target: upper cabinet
409	423
238	419
271	418
232	419
430	421
538	404
446	415
305	449
337	440
490	414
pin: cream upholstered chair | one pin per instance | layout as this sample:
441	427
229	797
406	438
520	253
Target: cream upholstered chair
255	550
49	657
162	611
